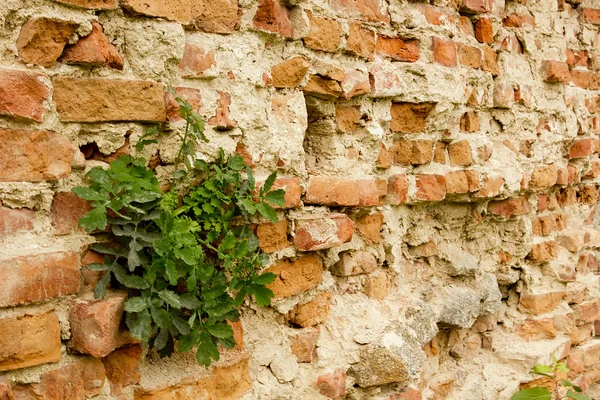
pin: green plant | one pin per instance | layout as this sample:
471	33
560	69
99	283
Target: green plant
186	258
551	371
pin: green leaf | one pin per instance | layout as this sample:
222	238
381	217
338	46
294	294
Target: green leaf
577	396
136	304
170	297
187	342
247	205
220	330
161	339
100	288
130	281
236	162
269	183
182	326
89	194
276	197
265	279
567	383
267	211
207	350
94	219
536	393
161	317
228	242
262	295
541	369
189	301
562	367
96	267
140	325
171	271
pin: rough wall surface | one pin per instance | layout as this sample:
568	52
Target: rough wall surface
442	174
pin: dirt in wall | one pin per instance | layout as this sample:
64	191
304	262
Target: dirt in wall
440	234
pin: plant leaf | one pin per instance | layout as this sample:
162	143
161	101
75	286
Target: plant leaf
135	304
187	342
267	211
220	330
262	295
94	219
100	288
265	279
276	197
140	325
207	351
161	317
577	396
170	297
536	393
269	182
161	339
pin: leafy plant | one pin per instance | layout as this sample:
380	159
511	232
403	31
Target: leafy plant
573	392
186	258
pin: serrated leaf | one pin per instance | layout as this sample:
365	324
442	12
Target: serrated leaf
94	219
89	194
100	288
170	297
269	182
186	342
130	281
265	279
267	211
161	317
160	342
220	330
136	304
262	295
536	393
276	197
577	396
236	162
207	350
171	271
182	326
228	242
247	205
189	301
96	267
140	325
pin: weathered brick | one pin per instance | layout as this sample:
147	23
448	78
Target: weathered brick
28	340
296	276
15	220
460	153
397	189
591	352
191	95
582	148
412	152
332	191
476	6
356	83
370	193
444	52
518	20
587	312
93	50
222	120
431	187
310	313
490	187
543	177
459	182
122	367
355	263
361	41
322	88
469	56
293	191
572	241
173	10
333	384
544	251
290	72
369	227
323	232
504	95
484	30
397	48
215	16
273	16
91	4
377	285
510	207
591	15
364	10
540	303
42	40
555	71
469	122
324	34
577	58
407	394
197	62
347	118
466	26
303	345
490	61
273	237
537	329
66	210
108	100
34	278
96	325
409	117
23	94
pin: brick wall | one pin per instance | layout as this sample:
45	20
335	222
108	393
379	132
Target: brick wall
440	234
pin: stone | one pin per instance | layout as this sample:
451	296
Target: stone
23	94
197	62
333	384
325	232
38	341
379	365
359	262
540	329
273	16
542	302
361	41
215	16
409	117
296	276
289	73
122	367
312	312
104	100
332	191
33	156
173	10
303	344
93	50
42	40
397	48
324	34
39	277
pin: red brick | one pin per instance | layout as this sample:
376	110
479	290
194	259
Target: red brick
323	232
397	189
364	10
476	6
310	313
91	4
67	208
222	120
90	278
290	72
333	384
585	79
555	71
407	394
122	367
108	100
361	41
591	15
42	40
369	227
173	10
412	152
544	251
40	277
28	340
273	237
303	345
273	16
332	191
469	56
23	94
466	26
587	312
543	177
296	276
370	193
96	325
459	182
484	30
215	16
540	303
293	191
15	220
397	48
444	52
582	148
577	58
93	50
355	263
460	153
347	118
490	61
409	117
469	122
518	20
385	158
537	329
431	187
323	88
196	61
491	187
510	207
324	34
190	95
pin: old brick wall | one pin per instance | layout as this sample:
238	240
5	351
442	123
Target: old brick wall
440	234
